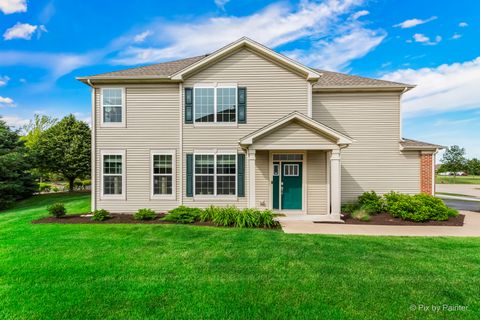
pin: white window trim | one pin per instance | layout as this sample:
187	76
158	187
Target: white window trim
102	116
215	196
172	196
122	196
215	86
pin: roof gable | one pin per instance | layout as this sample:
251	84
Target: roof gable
244	42
324	132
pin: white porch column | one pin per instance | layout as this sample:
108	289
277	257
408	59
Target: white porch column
335	183
251	178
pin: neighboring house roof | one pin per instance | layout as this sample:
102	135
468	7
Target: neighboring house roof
410	144
174	70
300	117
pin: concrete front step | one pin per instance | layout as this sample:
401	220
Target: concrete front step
310	217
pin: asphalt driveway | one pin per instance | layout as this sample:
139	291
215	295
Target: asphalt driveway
471	190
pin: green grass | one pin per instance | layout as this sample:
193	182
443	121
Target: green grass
458	180
182	272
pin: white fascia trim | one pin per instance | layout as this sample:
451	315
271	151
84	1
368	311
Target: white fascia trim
170	152
310	73
123	153
341	139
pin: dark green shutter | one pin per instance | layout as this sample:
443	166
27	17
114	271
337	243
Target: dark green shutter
242	105
188	105
189	175
241	175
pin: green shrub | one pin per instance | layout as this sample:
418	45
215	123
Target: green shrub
421	207
348	208
361	214
77	185
144	214
391	198
86	183
100	215
57	210
231	216
371	202
44	187
55	189
183	214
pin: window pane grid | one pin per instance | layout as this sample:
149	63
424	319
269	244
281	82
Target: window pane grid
112	174
112	104
226	104
204	105
162	174
215	174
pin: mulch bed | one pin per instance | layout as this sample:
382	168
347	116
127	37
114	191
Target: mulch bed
386	219
115	219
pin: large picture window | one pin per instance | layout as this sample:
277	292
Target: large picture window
113	171
163	173
215	104
215	174
112	106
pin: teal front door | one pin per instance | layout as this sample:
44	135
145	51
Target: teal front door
287	185
291	185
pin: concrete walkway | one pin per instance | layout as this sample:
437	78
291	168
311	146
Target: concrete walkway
471	228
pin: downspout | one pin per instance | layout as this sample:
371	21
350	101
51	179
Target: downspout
93	175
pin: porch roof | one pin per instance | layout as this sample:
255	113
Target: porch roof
324	136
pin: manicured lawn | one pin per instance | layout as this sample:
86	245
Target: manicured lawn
458	180
184	272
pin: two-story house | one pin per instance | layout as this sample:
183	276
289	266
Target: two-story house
249	127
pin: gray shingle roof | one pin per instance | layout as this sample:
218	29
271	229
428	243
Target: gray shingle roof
164	69
328	79
337	79
415	144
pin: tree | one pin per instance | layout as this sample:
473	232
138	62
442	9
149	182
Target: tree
32	133
65	149
454	160
15	180
473	166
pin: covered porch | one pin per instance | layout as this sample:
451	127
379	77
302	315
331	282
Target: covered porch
294	167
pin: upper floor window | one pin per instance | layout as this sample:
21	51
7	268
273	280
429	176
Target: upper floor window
215	104
113	110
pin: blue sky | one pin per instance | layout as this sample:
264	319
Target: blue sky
434	44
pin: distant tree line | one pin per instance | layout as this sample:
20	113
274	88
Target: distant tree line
42	150
454	161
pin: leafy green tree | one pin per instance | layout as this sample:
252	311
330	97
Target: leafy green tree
454	160
32	133
473	167
15	180
65	149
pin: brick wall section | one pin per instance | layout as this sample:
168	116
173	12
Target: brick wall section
426	162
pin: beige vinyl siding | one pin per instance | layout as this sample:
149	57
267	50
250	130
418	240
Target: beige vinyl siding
152	123
272	92
292	133
317	197
262	179
373	161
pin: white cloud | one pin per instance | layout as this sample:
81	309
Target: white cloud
443	88
6	102
421	38
4	80
13	6
463	24
276	25
456	36
413	22
141	36
338	53
221	3
359	14
15	121
22	31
